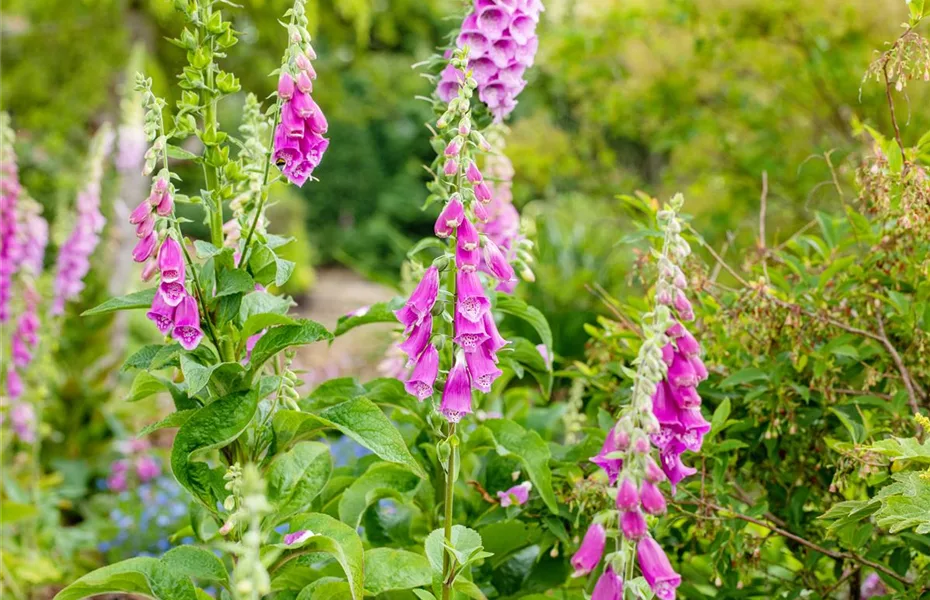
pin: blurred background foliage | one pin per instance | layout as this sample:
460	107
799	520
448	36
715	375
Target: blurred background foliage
700	96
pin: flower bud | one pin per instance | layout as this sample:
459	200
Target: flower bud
285	86
450	168
627	496
633	524
474	176
304	83
652	499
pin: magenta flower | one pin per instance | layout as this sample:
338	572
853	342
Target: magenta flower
420	383
299	144
452	148
495	340
162	314
482	368
419	337
483	192
172	292
23	418
472	304
14	383
450	167
297	537
497	264
589	553
421	301
472	173
516	496
118	479
614	442
456	396
872	586
285	86
147	468
469	335
627	496
466	259
467	235
609	586
652	499
145	247
171	261
656	569
187	323
633	524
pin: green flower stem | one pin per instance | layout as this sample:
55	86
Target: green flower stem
264	193
447	523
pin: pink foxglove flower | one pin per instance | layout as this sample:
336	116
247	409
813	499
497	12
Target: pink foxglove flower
147	468
450	218
609	586
162	314
171	261
473	304
502	44
421	301
420	383
589	553
419	338
145	248
23	420
497	263
482	368
469	335
516	496
456	396
652	499
633	524
627	495
657	570
495	340
74	255
187	323
118	480
614	442
299	144
9	193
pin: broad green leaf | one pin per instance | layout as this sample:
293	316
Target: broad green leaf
363	421
180	153
256	323
721	414
205	249
140	299
333	392
904	449
512	305
379	312
233	281
381	480
905	503
332	537
326	588
197	376
279	338
388	569
195	562
213	426
284	272
464	543
851	420
144	385
144	576
175	419
523	352
291	426
142	358
744	376
508	438
296	477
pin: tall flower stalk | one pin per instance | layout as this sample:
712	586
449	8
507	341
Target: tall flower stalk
663	418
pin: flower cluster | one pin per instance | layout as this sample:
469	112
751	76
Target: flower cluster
137	460
298	140
474	331
664	412
9	194
74	255
500	38
174	311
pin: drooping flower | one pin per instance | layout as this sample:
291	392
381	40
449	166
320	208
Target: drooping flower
145	248
589	553
502	44
9	193
482	368
652	499
472	303
516	496
299	144
656	568
171	261
187	323
172	292
162	314
615	441
627	495
421	301
609	586
469	335
456	396
421	380
633	524
497	263
419	337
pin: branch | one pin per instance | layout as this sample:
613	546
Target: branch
905	374
835	554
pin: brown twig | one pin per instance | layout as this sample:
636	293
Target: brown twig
835	554
905	374
894	118
484	493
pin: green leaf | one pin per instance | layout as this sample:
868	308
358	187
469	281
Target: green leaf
721	414
904	449
379	312
195	562
14	512
284	272
512	305
279	338
332	537
744	376
464	544
510	439
291	426
213	426
180	153
326	588
144	576
381	480
175	419
260	302
388	569
904	504
363	421
296	477
197	375
205	249
851	420
144	385
142	358
233	281
140	299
